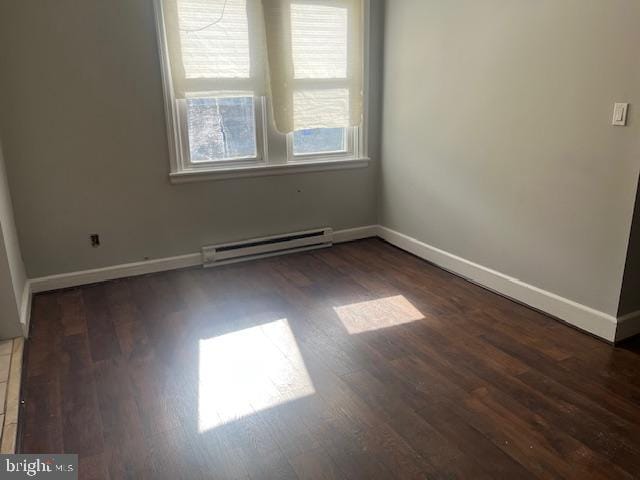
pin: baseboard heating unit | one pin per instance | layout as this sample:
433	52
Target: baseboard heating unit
266	247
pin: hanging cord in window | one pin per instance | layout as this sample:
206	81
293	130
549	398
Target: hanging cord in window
209	25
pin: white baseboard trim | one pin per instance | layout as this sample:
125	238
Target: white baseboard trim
628	326
25	309
86	277
352	234
593	321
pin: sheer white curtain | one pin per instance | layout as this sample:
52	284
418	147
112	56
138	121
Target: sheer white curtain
305	55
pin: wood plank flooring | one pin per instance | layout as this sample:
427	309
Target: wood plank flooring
359	362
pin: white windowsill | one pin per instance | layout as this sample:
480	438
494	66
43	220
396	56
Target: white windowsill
226	172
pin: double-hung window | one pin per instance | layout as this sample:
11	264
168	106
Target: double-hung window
256	85
321	76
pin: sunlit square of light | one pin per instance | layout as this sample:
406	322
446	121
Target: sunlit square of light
247	371
377	314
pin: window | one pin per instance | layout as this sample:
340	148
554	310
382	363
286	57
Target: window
320	140
319	42
242	76
221	128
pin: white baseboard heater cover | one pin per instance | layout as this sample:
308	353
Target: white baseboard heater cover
266	246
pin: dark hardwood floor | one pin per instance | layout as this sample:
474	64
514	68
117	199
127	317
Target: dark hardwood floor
360	361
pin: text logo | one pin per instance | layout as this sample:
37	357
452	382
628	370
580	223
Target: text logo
49	467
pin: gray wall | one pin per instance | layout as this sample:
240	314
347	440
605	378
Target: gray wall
497	144
630	297
12	275
83	126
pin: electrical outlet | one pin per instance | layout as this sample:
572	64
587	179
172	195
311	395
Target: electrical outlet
620	114
94	238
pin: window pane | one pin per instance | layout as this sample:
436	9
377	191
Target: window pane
319	140
221	128
214	37
319	41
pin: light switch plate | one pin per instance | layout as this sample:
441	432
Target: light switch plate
620	114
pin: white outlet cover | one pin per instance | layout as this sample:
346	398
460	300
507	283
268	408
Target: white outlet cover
620	114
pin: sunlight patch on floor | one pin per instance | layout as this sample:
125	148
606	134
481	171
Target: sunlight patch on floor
377	314
247	371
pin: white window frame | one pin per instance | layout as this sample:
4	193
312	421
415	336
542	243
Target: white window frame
183	170
184	156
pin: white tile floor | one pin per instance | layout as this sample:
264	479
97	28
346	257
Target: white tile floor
10	376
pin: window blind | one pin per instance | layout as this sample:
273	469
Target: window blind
305	55
315	59
214	47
